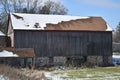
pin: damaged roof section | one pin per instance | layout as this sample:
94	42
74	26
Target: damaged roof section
23	21
89	24
17	52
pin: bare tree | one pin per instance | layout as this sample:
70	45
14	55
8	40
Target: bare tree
17	6
51	7
116	35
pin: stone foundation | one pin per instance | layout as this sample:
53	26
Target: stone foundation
50	61
96	60
110	59
59	60
41	61
100	60
63	61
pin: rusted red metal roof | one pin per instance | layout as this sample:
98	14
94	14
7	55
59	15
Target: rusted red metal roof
89	24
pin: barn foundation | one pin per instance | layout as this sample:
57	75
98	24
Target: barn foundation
100	60
74	61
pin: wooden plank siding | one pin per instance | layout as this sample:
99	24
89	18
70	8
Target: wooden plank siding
64	43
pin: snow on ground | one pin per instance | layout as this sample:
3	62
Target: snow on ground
116	59
5	53
97	75
88	77
116	56
3	77
54	77
50	76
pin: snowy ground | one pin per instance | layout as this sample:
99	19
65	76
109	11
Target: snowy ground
109	73
104	73
3	77
53	77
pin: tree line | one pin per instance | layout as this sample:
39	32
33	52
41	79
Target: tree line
116	34
28	6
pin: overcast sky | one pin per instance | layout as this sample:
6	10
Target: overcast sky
108	9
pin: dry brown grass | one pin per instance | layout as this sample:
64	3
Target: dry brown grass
13	73
21	74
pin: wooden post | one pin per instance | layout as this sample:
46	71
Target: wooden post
25	61
33	62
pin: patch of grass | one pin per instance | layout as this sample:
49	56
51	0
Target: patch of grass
107	73
65	78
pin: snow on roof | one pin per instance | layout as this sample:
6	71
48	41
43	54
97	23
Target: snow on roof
2	34
108	28
27	21
38	21
5	53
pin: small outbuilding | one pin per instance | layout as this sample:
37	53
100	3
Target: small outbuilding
62	39
21	57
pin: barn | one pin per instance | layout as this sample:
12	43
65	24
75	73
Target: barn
62	39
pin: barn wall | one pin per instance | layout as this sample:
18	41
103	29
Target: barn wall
65	43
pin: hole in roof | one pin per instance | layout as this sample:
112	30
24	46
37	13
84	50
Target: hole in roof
37	25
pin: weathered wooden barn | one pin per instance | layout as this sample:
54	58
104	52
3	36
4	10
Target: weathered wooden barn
61	39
